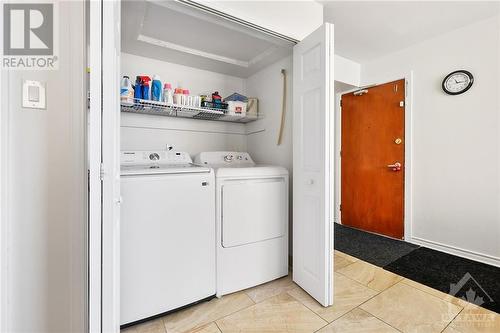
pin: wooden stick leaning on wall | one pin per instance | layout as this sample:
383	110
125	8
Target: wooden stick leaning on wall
283	109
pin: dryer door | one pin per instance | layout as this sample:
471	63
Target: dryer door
253	210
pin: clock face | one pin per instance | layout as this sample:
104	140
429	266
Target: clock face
457	82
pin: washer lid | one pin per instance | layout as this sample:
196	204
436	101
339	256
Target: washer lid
148	169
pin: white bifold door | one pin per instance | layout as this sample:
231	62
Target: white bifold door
313	110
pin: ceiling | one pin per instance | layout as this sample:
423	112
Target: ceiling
174	32
370	29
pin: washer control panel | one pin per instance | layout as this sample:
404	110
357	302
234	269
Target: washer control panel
154	157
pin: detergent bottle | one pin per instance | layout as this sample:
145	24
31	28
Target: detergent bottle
126	91
145	87
138	88
168	96
156	88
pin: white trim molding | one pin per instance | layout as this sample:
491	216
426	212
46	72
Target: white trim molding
94	155
111	33
5	186
476	256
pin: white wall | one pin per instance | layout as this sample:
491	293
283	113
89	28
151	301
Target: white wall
144	132
456	152
284	17
196	80
267	85
347	71
295	19
44	206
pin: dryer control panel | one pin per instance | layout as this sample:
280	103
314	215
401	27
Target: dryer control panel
224	159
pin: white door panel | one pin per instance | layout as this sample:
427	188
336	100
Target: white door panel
250	210
312	162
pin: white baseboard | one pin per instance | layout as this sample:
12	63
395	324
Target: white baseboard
484	258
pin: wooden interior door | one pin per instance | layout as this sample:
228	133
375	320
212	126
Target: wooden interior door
372	159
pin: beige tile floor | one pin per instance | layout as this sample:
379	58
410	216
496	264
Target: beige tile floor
367	299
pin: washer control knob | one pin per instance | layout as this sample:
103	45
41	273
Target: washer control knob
228	158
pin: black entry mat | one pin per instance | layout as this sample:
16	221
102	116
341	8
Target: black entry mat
473	281
375	249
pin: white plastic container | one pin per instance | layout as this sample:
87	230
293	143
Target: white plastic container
197	101
178	96
235	108
126	91
168	96
184	97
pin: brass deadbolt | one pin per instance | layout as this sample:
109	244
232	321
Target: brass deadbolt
398	141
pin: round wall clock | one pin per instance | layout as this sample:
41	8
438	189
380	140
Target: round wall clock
457	82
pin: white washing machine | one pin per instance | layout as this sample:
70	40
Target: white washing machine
167	233
252	220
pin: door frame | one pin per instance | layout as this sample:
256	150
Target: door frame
408	144
5	186
104	167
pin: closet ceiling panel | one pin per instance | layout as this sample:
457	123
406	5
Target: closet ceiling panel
174	32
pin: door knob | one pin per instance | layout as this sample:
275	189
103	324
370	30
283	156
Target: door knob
395	167
310	182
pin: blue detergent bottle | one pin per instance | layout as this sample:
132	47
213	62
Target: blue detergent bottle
156	88
138	88
145	87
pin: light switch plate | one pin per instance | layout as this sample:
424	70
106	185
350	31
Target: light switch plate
34	96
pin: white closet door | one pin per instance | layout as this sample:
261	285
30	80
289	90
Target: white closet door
313	104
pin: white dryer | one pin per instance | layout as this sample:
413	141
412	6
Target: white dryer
251	219
167	233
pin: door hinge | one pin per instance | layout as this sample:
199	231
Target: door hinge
340	103
101	172
402	104
340	207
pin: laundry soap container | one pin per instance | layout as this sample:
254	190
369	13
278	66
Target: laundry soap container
236	104
236	108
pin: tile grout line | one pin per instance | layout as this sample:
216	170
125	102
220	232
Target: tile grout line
428	293
459	312
402	281
218	327
419	247
305	305
377	291
232	313
213	321
374	316
359	306
283	292
328	323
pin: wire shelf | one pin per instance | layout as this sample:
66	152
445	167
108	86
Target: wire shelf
173	110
